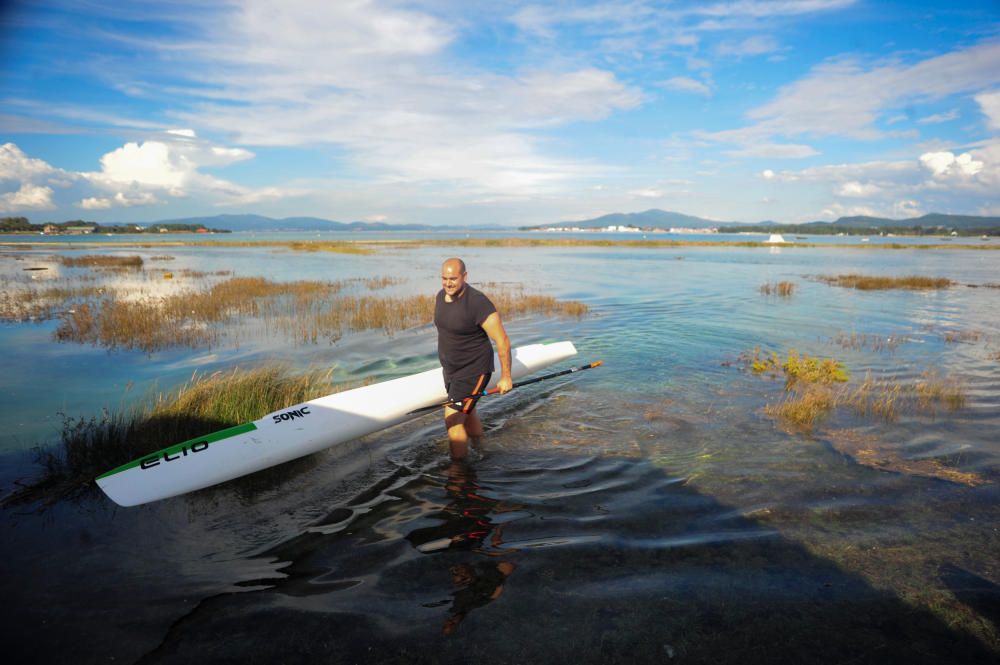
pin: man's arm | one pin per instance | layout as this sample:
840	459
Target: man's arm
494	328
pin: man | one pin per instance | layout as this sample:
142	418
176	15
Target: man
466	321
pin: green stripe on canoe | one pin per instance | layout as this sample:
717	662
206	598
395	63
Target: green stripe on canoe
177	448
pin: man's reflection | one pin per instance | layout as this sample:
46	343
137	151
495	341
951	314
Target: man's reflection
478	585
467	526
467	523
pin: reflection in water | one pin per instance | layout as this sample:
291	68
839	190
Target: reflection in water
478	584
466	519
466	525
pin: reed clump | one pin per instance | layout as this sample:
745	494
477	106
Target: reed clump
102	261
861	341
41	304
962	336
816	387
797	369
337	247
306	311
783	289
178	320
206	403
871	283
809	394
803	408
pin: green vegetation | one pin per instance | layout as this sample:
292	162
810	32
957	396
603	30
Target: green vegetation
811	393
870	283
206	404
77	226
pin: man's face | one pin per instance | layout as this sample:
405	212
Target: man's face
452	279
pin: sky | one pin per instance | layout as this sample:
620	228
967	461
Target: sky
460	112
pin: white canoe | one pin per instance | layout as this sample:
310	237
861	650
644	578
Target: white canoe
294	432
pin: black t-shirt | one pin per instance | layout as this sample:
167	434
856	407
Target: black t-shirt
463	346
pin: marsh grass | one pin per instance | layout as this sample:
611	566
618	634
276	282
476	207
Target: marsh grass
183	319
962	336
816	387
783	289
868	450
41	304
335	246
102	261
862	341
306	312
871	283
208	403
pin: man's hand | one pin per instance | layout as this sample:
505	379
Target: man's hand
504	385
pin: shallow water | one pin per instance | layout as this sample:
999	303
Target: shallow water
647	511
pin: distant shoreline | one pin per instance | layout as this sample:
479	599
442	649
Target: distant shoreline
373	244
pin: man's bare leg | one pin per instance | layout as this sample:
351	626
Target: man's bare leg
458	438
462	428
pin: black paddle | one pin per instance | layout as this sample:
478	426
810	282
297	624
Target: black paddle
493	391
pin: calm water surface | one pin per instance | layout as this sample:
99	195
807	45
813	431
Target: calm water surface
647	511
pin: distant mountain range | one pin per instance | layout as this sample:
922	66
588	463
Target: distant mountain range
664	219
933	220
649	219
261	223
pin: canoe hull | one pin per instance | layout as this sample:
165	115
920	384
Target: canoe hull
295	431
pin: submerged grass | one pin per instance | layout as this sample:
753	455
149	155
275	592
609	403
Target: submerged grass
784	289
872	283
861	341
205	404
816	387
40	304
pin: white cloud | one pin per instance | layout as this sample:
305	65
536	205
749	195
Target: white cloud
945	164
95	203
855	189
28	197
906	209
774	151
844	98
757	45
975	171
685	84
150	163
989	103
837	210
15	165
647	193
938	118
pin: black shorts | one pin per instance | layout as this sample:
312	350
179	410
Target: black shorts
466	391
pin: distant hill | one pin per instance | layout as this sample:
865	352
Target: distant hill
931	224
650	219
261	223
933	220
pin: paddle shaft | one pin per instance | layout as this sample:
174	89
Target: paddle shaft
494	391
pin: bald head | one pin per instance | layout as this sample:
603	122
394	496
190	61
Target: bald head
455	265
453	277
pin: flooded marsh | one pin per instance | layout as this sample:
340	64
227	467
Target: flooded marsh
657	509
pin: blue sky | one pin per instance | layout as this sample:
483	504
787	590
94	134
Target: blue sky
464	112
